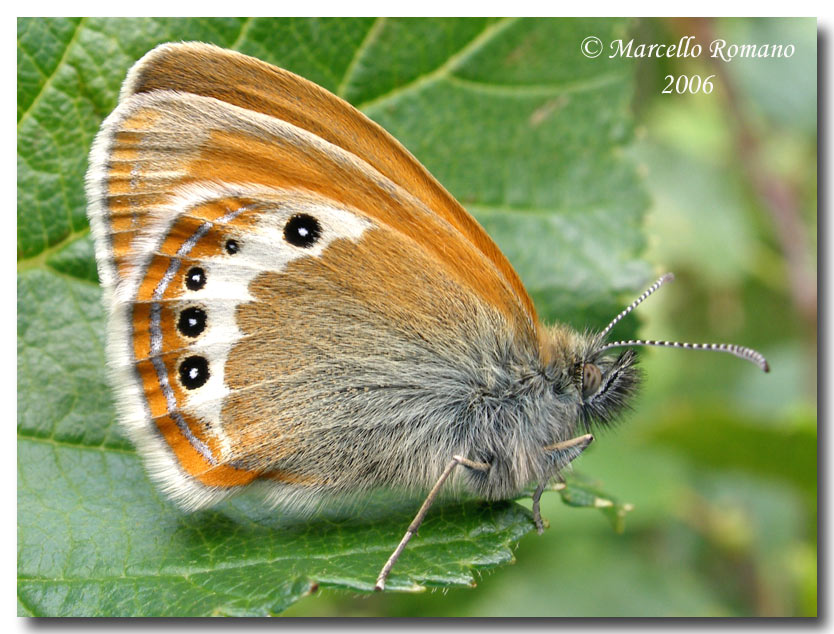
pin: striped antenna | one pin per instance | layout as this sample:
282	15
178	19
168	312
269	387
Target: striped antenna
739	351
663	279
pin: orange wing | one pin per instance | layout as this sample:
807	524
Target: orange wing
156	143
244	81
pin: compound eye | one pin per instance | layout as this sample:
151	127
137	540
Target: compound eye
591	379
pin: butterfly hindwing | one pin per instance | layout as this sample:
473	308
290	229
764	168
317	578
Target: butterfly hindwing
286	360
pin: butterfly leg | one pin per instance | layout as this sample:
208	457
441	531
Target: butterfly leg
537	512
570	449
421	514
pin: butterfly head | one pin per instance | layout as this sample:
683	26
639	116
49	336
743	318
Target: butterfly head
604	384
596	384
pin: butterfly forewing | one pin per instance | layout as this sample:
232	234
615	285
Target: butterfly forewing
240	80
175	139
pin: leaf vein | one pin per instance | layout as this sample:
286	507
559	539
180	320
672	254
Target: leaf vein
244	29
479	41
58	67
535	90
31	437
370	37
188	575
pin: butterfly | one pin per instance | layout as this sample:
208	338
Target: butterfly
296	305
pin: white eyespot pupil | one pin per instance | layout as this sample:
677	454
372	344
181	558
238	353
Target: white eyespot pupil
194	372
302	230
192	321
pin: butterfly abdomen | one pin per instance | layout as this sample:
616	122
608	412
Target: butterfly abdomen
398	416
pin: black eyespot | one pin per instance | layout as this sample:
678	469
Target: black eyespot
232	247
194	372
195	279
192	321
302	230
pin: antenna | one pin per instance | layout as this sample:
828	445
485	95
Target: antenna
668	277
739	351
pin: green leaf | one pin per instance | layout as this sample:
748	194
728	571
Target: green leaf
580	492
505	112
